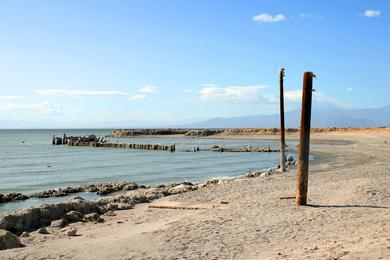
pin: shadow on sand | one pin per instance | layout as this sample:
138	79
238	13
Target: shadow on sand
346	206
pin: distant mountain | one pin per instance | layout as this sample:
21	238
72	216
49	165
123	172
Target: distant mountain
332	117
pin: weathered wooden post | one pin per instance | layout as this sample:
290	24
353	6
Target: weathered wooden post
304	141
282	131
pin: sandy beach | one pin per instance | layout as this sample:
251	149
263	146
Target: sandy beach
251	218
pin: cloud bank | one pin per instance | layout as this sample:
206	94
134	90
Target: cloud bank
235	94
372	13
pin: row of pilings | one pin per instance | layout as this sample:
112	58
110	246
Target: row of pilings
160	147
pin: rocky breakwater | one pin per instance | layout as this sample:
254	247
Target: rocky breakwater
246	149
76	209
160	147
146	132
12	197
101	189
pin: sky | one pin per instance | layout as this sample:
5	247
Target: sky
74	63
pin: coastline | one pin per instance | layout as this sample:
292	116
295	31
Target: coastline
348	216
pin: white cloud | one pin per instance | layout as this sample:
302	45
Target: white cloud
349	89
33	108
149	90
372	13
10	97
137	97
234	94
267	18
79	93
293	95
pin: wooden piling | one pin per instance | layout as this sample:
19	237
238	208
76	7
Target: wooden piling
304	141
282	131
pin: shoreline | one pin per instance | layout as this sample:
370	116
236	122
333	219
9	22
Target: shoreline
249	218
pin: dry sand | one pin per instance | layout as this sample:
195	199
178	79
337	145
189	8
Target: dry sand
349	216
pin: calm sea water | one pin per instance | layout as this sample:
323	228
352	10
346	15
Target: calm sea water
30	163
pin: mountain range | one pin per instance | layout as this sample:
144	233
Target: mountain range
330	117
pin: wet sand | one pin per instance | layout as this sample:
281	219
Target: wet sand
348	216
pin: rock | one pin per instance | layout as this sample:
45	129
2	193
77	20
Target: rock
93	217
180	189
71	232
130	186
8	240
264	174
105	190
25	234
59	223
12	197
43	231
74	216
110	213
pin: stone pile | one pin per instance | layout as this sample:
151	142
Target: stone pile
12	197
77	209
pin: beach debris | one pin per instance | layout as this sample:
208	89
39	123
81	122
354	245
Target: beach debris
43	231
224	202
174	207
9	240
287	198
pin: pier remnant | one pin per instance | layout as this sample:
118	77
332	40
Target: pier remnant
282	131
304	140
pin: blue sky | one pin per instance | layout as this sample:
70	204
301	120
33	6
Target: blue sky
154	60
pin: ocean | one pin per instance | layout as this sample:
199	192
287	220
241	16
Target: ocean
30	163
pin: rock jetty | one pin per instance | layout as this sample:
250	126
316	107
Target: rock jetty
246	149
12	197
159	147
141	132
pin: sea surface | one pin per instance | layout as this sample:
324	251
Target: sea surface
30	163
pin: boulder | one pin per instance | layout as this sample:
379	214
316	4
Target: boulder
43	231
59	223
93	217
74	216
8	240
71	232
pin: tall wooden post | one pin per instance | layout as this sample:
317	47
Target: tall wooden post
282	131
304	141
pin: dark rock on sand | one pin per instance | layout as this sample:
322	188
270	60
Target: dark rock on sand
94	217
8	240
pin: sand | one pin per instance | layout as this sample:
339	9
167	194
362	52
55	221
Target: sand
348	216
